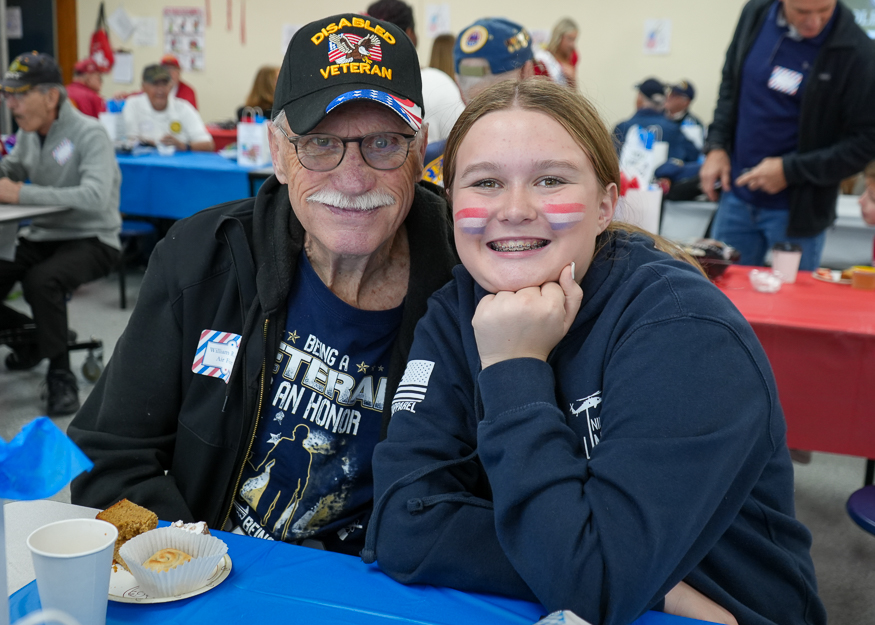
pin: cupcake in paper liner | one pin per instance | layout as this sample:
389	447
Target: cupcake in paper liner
206	553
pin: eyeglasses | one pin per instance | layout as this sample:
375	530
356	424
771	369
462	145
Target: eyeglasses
380	150
15	97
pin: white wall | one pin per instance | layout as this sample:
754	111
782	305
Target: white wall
610	43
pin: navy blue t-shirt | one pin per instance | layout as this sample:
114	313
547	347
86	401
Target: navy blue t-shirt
309	472
773	80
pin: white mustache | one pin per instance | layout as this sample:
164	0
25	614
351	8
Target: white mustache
366	202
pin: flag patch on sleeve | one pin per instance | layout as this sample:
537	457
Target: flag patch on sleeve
414	384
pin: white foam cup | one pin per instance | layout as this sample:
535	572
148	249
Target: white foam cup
785	259
73	560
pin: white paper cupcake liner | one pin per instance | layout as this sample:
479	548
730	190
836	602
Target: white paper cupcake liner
206	552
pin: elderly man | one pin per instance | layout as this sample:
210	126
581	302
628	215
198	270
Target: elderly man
84	91
677	109
254	378
155	116
489	51
683	157
794	117
178	89
69	160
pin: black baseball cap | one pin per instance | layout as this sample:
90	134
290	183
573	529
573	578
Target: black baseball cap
31	69
684	88
653	89
344	58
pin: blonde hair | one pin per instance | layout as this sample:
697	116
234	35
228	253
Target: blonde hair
563	27
582	122
442	54
869	172
263	87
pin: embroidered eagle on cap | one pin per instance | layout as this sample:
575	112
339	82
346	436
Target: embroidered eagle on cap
354	48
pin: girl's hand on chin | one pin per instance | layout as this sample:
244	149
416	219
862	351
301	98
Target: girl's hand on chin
528	323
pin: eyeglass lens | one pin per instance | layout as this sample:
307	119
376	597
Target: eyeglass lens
384	150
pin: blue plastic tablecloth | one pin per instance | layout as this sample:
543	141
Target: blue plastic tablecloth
277	582
180	185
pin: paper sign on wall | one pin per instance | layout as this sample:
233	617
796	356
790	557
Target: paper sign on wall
14	28
145	31
657	36
288	32
121	24
437	19
123	69
184	36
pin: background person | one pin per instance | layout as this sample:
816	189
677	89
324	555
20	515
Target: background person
677	109
261	94
69	160
323	274
179	89
565	442
442	53
84	91
489	51
794	117
558	57
155	116
442	102
683	157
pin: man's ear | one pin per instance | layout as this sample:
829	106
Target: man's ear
279	163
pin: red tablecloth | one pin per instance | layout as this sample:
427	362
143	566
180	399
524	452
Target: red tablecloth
820	340
222	137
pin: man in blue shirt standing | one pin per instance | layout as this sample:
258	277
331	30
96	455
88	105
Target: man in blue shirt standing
794	117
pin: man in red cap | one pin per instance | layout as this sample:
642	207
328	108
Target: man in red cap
180	89
84	91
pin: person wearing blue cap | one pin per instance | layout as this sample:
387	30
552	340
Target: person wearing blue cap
677	109
489	51
683	157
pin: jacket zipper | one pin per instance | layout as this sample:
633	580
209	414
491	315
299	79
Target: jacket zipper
254	428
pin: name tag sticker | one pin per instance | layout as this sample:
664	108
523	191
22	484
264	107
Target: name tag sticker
785	80
63	151
216	353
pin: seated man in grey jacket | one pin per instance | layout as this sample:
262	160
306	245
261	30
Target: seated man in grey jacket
68	160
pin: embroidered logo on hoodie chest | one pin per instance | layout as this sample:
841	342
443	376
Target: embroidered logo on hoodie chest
588	408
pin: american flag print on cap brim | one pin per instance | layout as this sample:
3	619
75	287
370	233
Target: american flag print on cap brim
562	216
471	220
409	111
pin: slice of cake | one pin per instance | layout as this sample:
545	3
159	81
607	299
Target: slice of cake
130	520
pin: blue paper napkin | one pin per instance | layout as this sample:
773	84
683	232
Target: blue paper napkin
39	462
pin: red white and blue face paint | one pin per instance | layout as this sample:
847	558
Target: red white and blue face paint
471	220
563	216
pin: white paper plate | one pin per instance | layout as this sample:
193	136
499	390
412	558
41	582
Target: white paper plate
124	588
835	277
